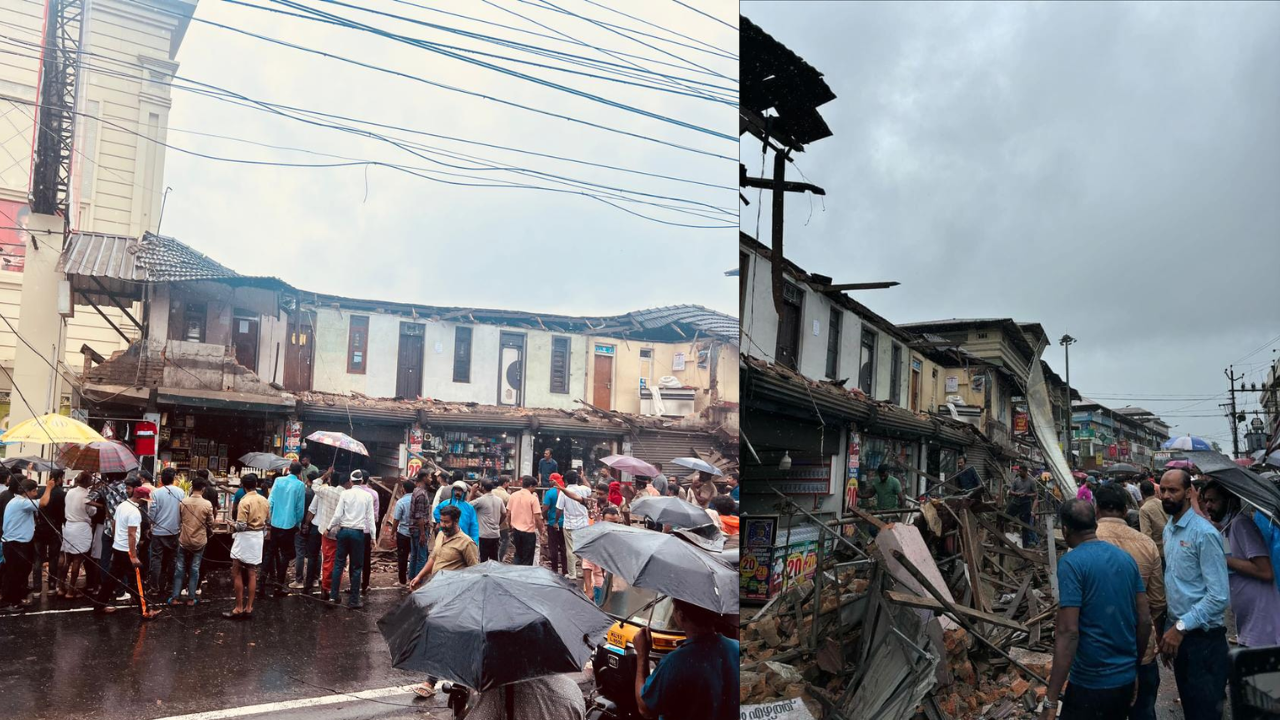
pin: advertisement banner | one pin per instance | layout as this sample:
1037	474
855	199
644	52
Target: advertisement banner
415	439
14	216
851	476
292	439
799	480
793	565
753	582
1020	423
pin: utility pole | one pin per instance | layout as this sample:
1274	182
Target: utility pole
55	134
1235	436
1066	343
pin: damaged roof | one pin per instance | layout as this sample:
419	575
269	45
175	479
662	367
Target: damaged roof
101	265
776	79
672	323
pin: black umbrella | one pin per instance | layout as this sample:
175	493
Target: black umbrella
1122	469
1248	485
660	562
265	461
670	511
494	624
32	463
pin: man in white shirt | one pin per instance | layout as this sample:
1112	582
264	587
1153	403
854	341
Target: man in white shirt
124	552
572	504
352	520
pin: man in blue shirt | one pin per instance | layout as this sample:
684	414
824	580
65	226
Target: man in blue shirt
546	466
467	520
18	537
400	521
1196	590
287	503
698	680
166	524
555	525
1103	622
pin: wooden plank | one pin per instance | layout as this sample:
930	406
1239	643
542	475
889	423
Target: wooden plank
970	549
924	603
1012	612
868	518
960	617
1013	546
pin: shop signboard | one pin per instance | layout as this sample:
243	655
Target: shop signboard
953	383
1020	423
798	480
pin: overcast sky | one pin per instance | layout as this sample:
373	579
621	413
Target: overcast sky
1111	171
383	234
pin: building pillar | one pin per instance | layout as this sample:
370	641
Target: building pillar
40	325
526	453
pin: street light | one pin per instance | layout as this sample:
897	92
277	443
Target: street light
1066	341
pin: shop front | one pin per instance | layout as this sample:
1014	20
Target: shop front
477	446
574	445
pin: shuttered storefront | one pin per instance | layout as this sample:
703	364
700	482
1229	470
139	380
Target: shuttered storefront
661	446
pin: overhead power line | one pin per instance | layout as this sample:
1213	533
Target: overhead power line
713	17
486	164
445	86
426	175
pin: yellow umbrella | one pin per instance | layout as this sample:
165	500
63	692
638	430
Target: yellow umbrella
52	428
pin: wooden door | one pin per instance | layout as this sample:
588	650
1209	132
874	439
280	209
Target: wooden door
602	387
244	336
297	356
409	363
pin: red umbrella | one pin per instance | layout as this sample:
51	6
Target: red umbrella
100	457
1244	462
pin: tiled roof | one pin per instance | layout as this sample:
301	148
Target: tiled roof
151	258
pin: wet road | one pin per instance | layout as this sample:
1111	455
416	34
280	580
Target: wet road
192	661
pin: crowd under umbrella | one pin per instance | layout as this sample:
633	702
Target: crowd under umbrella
670	511
107	456
633	465
339	441
265	461
31	462
665	564
462	625
1243	482
698	464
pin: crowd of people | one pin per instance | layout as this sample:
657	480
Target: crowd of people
1157	573
138	537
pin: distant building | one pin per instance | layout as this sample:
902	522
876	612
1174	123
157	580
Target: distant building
1104	435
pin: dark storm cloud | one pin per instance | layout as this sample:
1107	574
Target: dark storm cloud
1108	170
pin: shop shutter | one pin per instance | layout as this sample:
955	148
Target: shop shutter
659	446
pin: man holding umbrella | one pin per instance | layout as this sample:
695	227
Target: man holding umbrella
454	550
698	680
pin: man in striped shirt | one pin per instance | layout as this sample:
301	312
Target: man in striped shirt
319	513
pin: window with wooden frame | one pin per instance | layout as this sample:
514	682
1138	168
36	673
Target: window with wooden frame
788	351
833	344
462	355
560	365
358	344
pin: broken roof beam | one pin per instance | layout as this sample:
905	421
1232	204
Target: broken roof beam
844	287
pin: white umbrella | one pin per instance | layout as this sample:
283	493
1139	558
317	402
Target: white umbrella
697	464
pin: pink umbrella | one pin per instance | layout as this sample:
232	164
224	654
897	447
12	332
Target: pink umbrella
635	466
1178	465
1244	462
101	457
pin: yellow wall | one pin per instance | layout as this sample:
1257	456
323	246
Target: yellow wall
627	370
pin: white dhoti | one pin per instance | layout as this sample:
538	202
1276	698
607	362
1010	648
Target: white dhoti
247	547
77	537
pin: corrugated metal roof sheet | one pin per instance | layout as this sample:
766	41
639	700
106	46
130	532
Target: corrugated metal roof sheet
151	258
708	322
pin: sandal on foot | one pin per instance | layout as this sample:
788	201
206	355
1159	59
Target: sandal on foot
232	615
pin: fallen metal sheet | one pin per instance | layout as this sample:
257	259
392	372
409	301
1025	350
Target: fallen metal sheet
1046	432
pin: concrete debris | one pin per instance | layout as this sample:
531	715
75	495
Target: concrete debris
936	613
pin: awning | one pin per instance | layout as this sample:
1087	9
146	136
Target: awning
194	399
356	414
661	446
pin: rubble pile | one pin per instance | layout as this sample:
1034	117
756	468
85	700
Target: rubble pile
939	614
